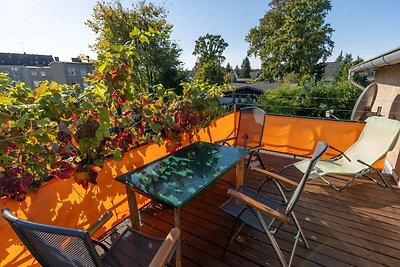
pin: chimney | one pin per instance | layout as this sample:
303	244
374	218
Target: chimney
56	59
76	59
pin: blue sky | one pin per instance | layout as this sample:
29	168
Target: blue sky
362	27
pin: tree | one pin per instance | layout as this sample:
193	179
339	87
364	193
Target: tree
246	68
237	70
210	47
292	37
228	67
159	57
340	57
210	72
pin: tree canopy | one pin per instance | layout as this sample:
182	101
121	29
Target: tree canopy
158	61
292	37
210	47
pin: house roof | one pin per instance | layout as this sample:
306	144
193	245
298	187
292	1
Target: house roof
330	70
261	87
25	59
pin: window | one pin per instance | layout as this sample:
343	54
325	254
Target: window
83	72
33	73
71	71
42	73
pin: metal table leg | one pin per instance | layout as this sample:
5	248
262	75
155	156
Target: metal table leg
239	173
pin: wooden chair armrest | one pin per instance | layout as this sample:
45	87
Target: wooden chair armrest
257	205
94	227
276	176
166	248
225	140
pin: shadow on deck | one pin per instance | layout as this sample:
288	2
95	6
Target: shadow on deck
359	226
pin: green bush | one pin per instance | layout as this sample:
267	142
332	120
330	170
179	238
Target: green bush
311	98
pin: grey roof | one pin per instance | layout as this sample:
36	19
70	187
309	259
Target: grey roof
330	69
254	74
25	59
261	87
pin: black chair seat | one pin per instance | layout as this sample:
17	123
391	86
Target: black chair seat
132	248
234	207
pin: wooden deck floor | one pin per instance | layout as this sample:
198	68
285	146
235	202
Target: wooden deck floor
358	227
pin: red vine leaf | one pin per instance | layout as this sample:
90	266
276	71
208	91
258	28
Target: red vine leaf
15	182
61	170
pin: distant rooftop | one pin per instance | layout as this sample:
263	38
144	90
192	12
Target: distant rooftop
261	87
25	59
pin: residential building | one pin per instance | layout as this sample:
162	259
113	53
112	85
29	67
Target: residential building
33	75
70	72
15	65
33	69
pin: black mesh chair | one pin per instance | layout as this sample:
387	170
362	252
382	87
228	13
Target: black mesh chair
57	246
251	208
250	133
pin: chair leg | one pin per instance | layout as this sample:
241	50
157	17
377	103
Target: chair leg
384	184
260	160
270	236
331	185
375	170
232	234
303	237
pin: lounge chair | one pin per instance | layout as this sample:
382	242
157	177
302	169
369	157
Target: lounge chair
57	246
378	137
252	208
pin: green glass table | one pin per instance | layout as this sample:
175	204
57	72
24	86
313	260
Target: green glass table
177	178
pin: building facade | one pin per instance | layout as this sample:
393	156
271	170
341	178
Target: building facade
33	69
382	97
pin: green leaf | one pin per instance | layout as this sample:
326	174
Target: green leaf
144	39
117	153
20	123
155	126
100	90
135	32
102	131
168	119
6	100
43	122
102	67
103	114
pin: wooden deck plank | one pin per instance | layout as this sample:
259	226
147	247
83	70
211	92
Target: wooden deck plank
359	226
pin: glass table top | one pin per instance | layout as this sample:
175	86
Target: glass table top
176	178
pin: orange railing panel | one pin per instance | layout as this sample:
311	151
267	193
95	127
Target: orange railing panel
298	136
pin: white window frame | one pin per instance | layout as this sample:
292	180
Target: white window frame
71	72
